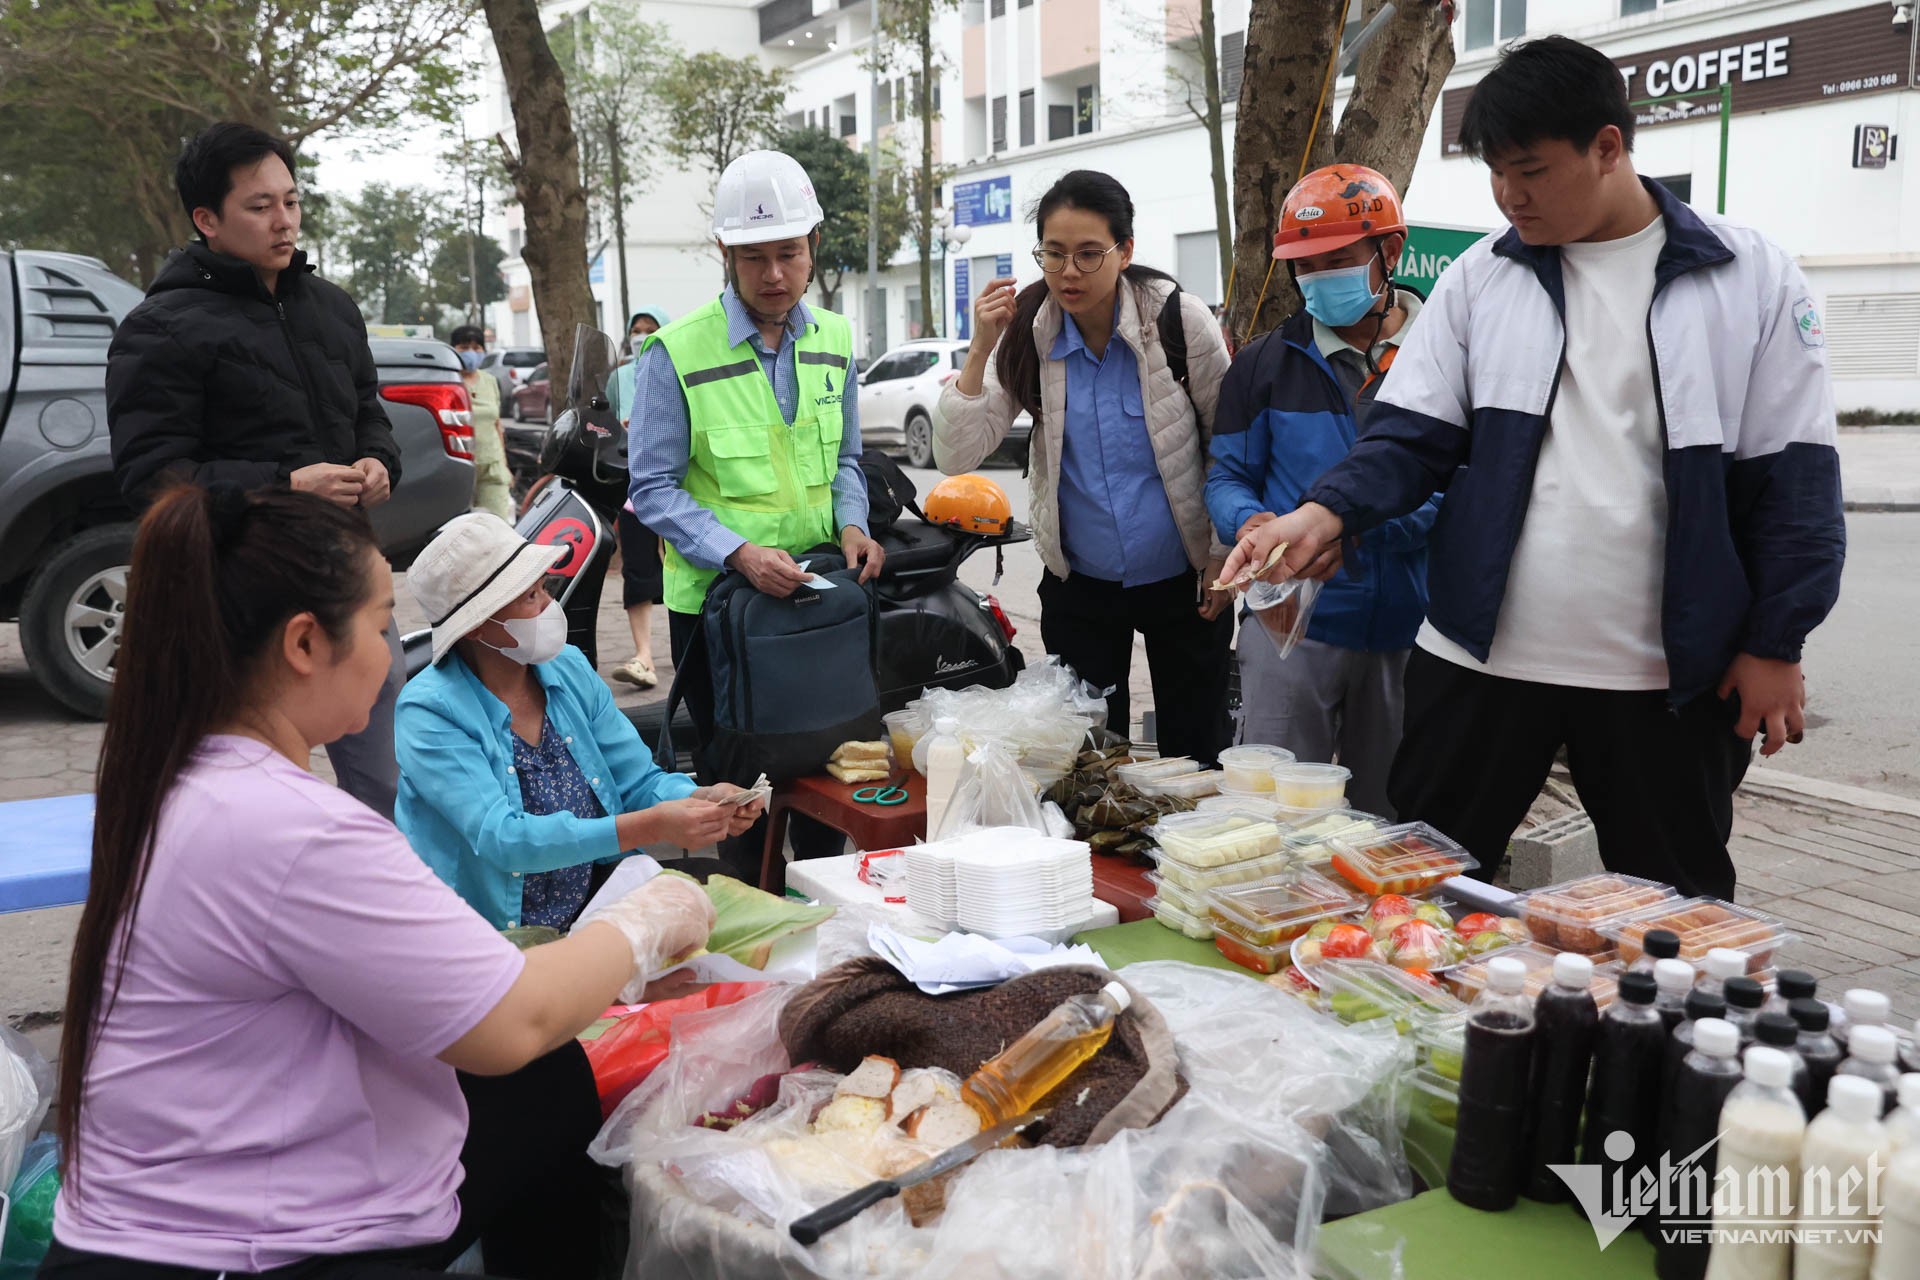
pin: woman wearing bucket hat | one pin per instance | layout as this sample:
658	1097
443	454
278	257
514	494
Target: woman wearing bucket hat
289	1048
517	772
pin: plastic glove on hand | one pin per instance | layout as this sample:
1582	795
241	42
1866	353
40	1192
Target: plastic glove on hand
663	920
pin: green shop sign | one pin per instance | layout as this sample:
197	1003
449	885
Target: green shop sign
1430	250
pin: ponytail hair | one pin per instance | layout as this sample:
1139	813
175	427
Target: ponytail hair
215	578
1017	362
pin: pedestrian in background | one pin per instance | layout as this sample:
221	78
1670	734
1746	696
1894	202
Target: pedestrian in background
492	480
642	575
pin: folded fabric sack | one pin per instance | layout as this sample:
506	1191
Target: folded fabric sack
865	1007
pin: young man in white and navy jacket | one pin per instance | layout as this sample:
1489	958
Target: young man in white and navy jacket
1626	403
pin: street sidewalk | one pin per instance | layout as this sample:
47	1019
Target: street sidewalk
1880	468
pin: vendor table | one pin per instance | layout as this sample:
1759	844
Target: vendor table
837	882
1122	883
830	801
1125	944
46	852
1437	1238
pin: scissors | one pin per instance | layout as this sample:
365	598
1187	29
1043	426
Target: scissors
886	795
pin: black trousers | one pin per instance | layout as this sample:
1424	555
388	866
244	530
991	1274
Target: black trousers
642	575
531	1196
1089	623
1657	782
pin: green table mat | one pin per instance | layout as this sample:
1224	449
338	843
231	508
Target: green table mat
1124	944
1438	1238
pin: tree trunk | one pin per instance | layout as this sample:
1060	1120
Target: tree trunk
1216	144
926	169
546	178
1403	67
1284	89
620	221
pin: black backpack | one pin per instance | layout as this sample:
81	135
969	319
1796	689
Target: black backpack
792	679
890	491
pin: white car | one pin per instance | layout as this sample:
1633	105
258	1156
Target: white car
898	394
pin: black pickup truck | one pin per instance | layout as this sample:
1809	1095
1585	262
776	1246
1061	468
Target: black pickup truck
66	535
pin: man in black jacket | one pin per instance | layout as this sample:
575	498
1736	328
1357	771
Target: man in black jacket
244	368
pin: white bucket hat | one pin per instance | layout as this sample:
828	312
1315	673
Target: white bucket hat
474	567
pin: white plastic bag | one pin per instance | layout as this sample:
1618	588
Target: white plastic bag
993	792
26	1092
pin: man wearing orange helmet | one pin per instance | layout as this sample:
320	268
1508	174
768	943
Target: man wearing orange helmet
1291	407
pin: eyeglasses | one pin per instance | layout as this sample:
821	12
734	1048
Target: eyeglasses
1085	261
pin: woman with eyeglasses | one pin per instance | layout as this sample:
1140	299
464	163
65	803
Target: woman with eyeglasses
1118	457
517	771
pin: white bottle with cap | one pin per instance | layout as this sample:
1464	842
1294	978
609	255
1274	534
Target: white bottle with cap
1903	1125
1761	1129
1844	1143
1872	1054
1723	963
1674	978
945	757
1860	1007
1897	1256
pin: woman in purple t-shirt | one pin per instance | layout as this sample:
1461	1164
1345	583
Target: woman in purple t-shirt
289	1048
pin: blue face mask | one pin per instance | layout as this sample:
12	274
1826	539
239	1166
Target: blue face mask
1339	297
471	359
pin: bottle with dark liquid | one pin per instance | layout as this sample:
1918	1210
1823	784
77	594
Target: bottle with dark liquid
1744	1000
1860	1007
1658	945
1818	1049
1790	985
1692	1120
1702	1006
1489	1151
1777	1031
1566	1019
1628	1056
1873	1054
1675	979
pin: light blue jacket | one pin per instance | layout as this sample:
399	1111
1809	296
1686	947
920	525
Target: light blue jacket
459	802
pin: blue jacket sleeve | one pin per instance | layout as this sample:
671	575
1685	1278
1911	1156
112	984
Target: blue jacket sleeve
1409	532
1241	443
641	782
446	763
849	481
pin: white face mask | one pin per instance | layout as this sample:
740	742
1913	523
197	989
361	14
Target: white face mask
537	639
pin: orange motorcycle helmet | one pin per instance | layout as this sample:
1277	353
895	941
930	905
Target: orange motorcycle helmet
1331	208
970	503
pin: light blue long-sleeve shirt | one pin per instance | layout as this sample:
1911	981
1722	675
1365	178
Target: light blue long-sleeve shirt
1115	520
660	437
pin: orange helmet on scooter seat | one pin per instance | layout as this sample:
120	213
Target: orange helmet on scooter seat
1331	208
970	503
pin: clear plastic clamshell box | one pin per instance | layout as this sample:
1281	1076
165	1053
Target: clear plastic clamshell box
1469	980
1703	924
1196	785
1215	839
1191	901
1409	858
1180	920
1197	880
1362	990
1273	912
1568	916
1309	837
1147	770
1250	955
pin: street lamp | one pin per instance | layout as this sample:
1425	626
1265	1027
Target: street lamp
952	238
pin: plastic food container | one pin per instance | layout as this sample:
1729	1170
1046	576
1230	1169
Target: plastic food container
1180	920
1250	803
1250	768
1440	1047
1188	786
1310	786
1468	980
1568	916
1309	840
1436	1095
1215	839
1199	880
1703	924
1271	912
904	731
1250	955
1147	770
1362	990
1409	858
1191	901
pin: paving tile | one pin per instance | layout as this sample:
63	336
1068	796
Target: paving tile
1902	846
1831	850
1866	820
1835	837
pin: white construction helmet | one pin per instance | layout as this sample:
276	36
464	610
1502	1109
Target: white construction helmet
764	195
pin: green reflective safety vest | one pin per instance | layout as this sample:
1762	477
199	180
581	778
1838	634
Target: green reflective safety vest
769	482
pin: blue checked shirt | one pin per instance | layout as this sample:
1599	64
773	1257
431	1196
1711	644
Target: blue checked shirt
660	438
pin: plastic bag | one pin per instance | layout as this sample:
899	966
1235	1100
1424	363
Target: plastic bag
26	1091
624	1054
1289	1116
1283	609
993	792
30	1220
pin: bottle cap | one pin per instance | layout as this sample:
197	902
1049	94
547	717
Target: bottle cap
1506	975
1745	993
1795	984
1676	977
1811	1015
1865	1007
1637	987
1702	1003
1769	1067
1724	963
1910	1092
1118	993
946	724
1572	971
1661	944
1872	1044
1777	1029
1716	1038
1855	1098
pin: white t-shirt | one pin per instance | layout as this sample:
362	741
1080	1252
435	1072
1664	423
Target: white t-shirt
1582	604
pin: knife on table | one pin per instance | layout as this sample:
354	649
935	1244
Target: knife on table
816	1224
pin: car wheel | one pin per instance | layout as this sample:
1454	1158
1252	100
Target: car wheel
519	413
72	615
919	439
